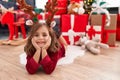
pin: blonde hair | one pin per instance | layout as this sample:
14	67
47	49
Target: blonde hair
54	47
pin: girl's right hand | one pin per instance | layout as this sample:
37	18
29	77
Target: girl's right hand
35	44
48	43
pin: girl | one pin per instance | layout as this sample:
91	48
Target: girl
43	49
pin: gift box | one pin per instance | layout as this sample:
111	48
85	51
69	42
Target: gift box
109	33
61	6
118	21
77	24
118	34
94	32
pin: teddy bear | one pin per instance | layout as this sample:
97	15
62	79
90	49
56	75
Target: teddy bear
91	45
76	8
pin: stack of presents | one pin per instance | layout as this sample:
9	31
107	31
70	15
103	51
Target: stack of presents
79	24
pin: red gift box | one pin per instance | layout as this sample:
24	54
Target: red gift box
118	21
62	3
61	6
61	10
118	34
80	22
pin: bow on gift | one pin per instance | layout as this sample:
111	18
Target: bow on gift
91	32
94	32
100	8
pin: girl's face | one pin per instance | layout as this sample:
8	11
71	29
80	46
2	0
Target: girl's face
41	36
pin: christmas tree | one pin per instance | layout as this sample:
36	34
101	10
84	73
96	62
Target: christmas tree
88	6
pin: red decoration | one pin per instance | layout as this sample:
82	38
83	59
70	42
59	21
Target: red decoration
80	23
118	34
8	18
91	32
61	6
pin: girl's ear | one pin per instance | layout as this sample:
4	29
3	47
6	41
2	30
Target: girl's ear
53	23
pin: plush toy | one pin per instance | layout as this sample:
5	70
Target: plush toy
92	46
76	8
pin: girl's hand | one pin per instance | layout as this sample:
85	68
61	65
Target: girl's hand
35	44
48	43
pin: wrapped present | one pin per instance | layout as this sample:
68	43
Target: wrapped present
118	21
95	30
61	10
109	33
118	34
73	25
61	6
62	3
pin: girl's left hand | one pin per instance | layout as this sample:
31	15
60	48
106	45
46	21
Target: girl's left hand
35	44
48	43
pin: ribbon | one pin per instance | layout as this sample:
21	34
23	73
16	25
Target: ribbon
91	32
71	32
106	35
100	8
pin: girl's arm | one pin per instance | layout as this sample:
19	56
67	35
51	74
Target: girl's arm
49	62
32	65
37	54
63	41
33	61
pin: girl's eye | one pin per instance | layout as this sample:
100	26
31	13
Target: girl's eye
44	35
36	35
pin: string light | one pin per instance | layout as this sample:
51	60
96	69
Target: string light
87	5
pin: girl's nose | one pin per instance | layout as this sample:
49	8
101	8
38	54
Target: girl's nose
40	37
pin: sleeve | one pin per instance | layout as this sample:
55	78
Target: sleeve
31	66
49	63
